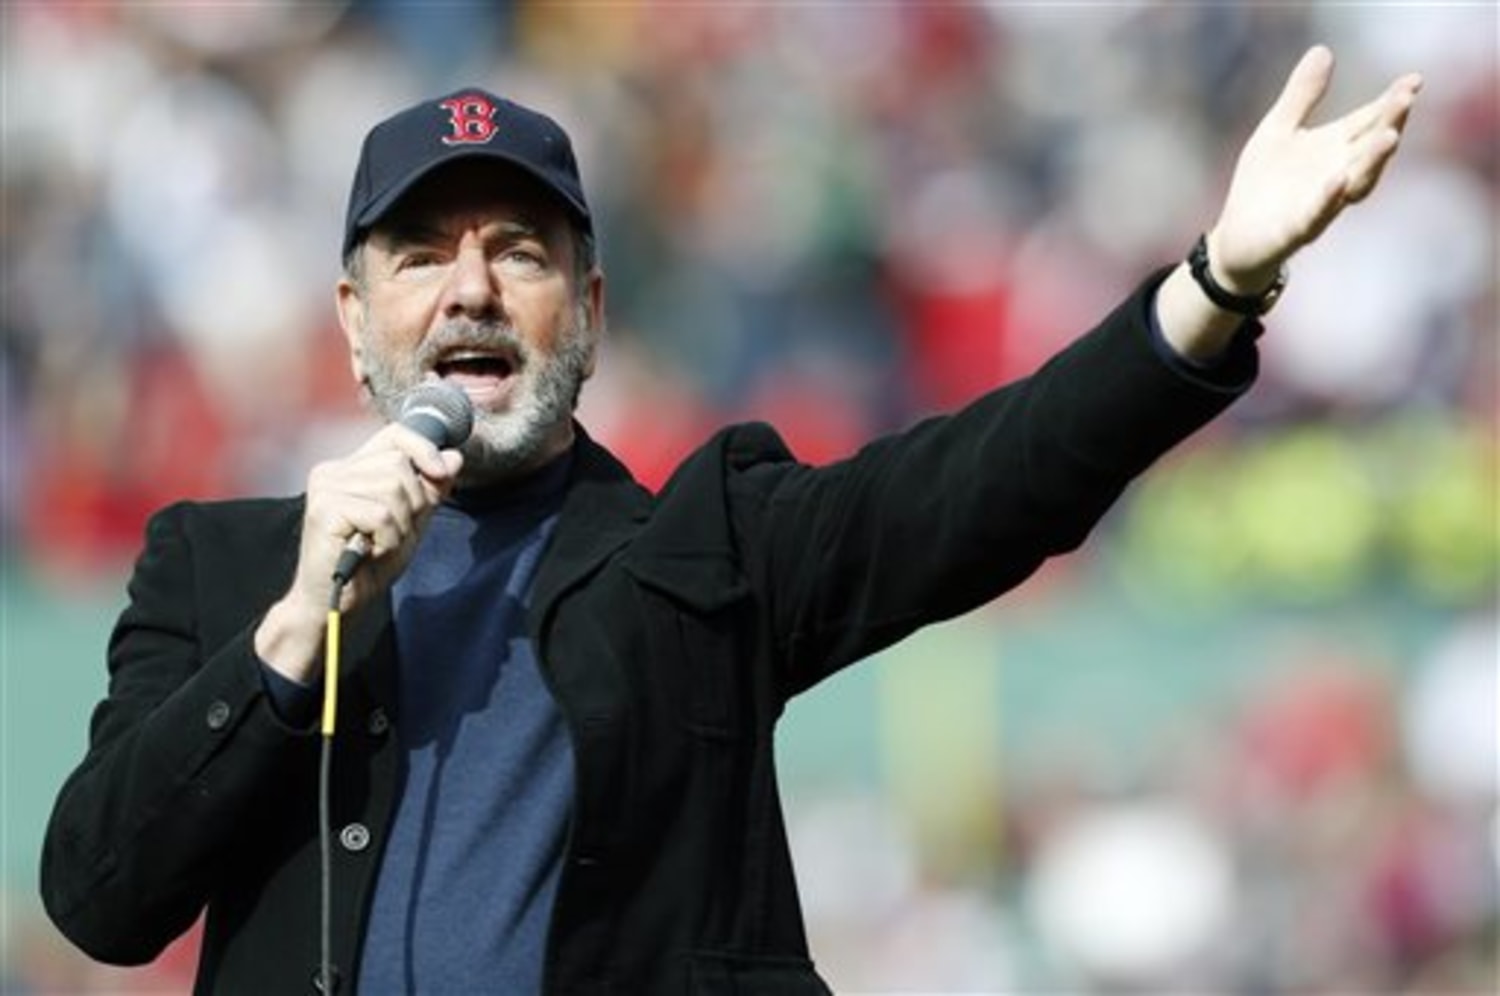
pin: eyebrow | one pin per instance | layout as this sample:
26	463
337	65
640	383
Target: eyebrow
407	232
412	231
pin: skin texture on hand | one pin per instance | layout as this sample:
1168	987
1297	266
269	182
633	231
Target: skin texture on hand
385	491
1291	180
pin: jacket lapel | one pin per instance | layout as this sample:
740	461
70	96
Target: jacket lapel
603	509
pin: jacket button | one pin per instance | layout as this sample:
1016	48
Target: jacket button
378	723
317	979
355	838
218	715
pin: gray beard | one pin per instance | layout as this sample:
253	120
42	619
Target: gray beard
504	446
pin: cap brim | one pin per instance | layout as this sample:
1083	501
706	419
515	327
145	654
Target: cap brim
378	208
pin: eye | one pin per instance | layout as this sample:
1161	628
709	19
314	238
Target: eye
418	265
417	260
524	261
521	256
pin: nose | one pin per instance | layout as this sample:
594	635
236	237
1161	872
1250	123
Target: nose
472	290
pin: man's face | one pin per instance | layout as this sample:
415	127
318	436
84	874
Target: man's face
472	277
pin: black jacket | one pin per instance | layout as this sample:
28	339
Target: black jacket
672	630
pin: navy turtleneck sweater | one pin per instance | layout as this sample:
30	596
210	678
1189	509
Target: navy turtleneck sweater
464	893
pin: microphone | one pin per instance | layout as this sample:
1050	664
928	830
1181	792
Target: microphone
440	413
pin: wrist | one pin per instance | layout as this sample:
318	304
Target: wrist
1245	291
1249	281
289	639
1190	325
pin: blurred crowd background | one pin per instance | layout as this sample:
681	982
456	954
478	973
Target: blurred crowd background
1243	743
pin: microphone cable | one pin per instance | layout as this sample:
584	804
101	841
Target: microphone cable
341	576
442	414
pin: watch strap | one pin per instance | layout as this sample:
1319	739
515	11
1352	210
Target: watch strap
1252	305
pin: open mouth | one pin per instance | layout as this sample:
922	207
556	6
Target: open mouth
481	373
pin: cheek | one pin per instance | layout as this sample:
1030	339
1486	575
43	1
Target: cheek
393	328
551	328
384	361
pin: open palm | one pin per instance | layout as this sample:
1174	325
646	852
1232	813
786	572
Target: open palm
1292	180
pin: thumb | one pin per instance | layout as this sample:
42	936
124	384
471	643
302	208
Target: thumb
1304	88
438	487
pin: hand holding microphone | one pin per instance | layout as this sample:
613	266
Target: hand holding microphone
441	414
363	517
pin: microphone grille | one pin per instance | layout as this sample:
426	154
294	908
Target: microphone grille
443	403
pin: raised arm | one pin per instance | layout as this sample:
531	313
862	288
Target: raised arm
1290	182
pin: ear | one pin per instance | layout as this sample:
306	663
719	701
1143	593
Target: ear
593	303
351	311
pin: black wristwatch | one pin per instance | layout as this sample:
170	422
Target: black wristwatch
1250	305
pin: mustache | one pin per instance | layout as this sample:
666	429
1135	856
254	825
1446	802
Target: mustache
496	337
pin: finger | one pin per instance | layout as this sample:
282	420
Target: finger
418	451
1389	109
348	523
1360	120
385	527
1367	168
1321	209
402	481
385	476
436	489
1304	88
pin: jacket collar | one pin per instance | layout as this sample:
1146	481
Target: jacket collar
604	507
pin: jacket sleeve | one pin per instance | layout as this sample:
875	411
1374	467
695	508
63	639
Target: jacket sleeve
178	752
935	521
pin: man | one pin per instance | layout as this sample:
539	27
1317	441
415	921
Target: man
558	773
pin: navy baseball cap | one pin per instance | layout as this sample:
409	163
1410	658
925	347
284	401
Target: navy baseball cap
468	123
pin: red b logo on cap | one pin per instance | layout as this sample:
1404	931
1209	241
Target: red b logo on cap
470	117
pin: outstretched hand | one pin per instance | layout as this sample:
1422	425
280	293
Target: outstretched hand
1293	179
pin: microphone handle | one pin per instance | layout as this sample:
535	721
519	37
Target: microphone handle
355	552
433	424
